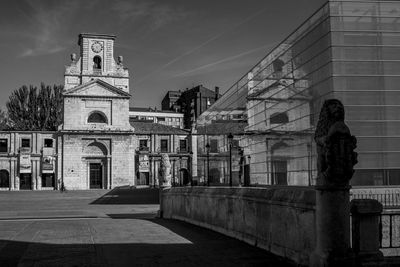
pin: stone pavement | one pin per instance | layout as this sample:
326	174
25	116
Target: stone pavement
73	229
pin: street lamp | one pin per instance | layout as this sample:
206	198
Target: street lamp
241	169
208	163
230	139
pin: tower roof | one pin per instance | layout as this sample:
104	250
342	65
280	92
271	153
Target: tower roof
95	35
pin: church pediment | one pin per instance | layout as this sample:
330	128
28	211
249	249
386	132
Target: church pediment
97	88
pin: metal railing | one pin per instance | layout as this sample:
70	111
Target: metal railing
389	226
144	149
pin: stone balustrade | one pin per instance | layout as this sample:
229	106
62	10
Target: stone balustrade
278	219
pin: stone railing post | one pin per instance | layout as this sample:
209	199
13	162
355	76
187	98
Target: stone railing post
332	228
336	158
365	231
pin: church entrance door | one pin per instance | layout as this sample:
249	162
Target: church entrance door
96	176
25	181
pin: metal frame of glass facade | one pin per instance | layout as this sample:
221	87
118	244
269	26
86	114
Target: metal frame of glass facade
349	50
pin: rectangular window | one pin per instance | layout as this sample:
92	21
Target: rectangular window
25	142
182	145
48	142
142	143
214	146
160	119
3	145
164	145
368	177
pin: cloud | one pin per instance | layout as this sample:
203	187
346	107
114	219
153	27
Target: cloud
203	44
46	21
222	61
156	15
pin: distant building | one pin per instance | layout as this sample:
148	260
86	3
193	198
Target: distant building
155	139
28	160
195	101
170	100
164	117
191	102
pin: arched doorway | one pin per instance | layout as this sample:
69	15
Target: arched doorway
96	158
4	179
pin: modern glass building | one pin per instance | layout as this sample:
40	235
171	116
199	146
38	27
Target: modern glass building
349	50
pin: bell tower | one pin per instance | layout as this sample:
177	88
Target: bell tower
96	61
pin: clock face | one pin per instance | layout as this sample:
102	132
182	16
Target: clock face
97	47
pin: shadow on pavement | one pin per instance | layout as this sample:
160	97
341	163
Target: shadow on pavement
129	195
133	215
197	247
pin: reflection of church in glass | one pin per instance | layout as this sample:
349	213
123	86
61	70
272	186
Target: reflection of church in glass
278	124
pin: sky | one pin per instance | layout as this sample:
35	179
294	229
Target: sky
166	44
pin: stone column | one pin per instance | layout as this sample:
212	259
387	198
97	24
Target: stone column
366	232
34	175
16	174
38	175
193	168
109	173
12	174
332	227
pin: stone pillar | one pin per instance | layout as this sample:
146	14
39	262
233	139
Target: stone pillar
109	173
38	175
16	182
332	227
336	159
33	175
12	174
194	158
366	232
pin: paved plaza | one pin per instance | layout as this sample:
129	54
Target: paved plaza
109	228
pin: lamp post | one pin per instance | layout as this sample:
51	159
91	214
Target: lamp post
208	163
181	182
241	169
230	139
247	182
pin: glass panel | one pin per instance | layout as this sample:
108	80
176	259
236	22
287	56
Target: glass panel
354	57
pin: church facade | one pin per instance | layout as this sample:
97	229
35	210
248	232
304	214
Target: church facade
96	144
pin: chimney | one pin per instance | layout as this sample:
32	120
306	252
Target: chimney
216	93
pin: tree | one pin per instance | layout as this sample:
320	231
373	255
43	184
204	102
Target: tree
4	123
30	109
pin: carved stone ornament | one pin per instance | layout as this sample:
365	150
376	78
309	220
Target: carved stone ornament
335	146
165	170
